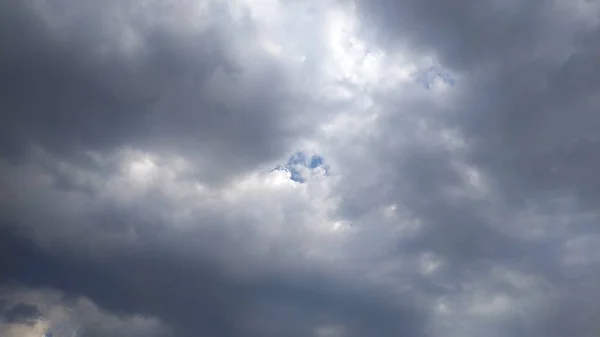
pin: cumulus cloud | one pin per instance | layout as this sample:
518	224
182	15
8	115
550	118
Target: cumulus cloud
299	168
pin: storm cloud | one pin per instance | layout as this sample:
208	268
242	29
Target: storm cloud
316	168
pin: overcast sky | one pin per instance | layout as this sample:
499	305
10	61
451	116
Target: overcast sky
301	168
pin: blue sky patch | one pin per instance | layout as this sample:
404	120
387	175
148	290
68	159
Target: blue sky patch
299	160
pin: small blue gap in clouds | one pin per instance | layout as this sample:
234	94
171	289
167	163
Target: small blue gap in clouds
315	161
299	159
296	176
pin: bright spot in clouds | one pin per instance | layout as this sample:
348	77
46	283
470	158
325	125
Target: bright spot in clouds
141	168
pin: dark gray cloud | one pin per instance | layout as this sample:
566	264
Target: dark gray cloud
21	313
71	85
194	296
468	34
524	108
473	208
526	105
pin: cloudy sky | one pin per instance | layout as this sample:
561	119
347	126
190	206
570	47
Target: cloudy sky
326	168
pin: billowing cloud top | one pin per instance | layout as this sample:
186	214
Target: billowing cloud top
299	168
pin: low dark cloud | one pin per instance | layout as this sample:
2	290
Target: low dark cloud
194	296
21	313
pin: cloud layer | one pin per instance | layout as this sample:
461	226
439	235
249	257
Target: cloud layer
315	168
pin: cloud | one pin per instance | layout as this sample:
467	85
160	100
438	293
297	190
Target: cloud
94	78
267	168
511	106
194	297
22	313
493	168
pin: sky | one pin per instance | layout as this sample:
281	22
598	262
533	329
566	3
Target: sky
301	168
